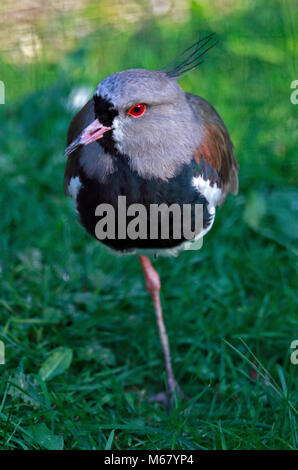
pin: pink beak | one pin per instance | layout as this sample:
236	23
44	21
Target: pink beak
93	132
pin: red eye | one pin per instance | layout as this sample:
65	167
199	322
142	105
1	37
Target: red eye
137	110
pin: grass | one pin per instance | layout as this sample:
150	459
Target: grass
81	345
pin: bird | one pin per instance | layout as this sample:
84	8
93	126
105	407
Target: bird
141	138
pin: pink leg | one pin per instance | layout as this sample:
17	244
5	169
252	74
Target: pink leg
152	282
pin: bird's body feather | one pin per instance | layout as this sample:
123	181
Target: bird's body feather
101	172
215	155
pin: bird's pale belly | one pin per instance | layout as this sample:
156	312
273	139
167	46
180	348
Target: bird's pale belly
122	189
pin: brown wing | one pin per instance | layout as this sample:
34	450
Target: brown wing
84	117
215	155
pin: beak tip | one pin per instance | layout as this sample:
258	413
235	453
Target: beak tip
71	147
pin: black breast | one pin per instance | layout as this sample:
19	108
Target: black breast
125	182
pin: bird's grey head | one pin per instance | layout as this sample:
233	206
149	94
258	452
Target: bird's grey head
146	116
151	119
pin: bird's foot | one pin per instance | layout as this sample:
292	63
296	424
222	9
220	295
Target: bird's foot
168	399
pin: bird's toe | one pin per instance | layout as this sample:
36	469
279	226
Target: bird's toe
168	399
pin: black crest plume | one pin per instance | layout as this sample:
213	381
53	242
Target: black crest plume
191	57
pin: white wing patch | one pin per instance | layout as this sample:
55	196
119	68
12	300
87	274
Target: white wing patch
211	193
74	187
